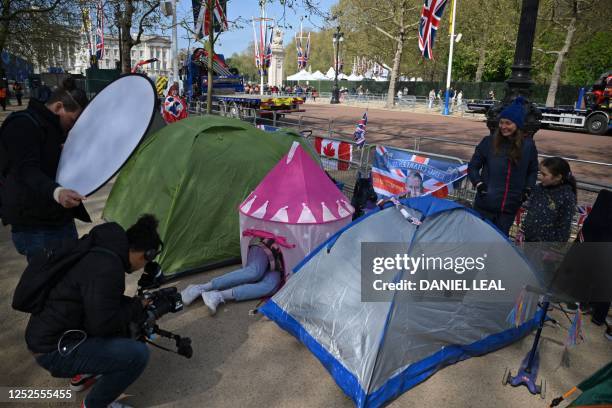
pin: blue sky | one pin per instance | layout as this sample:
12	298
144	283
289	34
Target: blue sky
238	39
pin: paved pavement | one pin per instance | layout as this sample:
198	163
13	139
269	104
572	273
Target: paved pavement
403	128
247	361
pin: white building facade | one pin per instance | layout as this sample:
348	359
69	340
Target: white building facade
153	46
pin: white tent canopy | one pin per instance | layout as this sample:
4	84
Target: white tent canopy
319	76
303	75
354	77
331	74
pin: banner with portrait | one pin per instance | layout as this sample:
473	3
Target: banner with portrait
399	173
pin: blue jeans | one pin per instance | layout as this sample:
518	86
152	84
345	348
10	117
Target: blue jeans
29	240
254	281
119	360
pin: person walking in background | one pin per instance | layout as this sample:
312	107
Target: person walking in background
432	98
18	91
504	169
459	99
3	94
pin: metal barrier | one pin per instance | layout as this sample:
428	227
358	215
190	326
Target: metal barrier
324	128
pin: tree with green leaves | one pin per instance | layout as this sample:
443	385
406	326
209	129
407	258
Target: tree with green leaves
395	21
561	19
587	62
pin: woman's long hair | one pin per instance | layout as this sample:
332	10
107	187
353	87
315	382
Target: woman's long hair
515	141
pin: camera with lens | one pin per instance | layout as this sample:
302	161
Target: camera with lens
158	303
163	301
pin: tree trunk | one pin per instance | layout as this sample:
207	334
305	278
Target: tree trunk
482	57
126	37
556	74
126	51
4	27
395	71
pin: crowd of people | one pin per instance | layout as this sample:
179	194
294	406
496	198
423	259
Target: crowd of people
455	97
7	91
83	330
298	90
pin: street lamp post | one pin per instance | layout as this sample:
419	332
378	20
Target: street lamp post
337	41
519	83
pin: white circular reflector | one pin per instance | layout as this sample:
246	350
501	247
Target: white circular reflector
107	133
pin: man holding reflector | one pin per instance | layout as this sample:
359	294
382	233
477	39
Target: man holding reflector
40	211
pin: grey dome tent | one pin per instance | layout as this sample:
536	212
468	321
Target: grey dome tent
375	351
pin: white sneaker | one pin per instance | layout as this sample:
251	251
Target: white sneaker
212	300
191	293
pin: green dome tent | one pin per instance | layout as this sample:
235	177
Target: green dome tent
192	175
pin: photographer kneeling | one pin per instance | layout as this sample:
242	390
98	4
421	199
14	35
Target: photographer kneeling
84	323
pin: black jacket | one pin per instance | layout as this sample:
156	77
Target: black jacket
33	151
89	297
505	180
549	214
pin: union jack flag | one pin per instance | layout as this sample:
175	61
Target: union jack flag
340	64
99	32
360	131
303	53
202	21
268	53
428	25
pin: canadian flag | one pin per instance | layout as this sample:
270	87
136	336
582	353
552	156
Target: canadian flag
339	153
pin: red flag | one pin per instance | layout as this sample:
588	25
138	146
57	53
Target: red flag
336	154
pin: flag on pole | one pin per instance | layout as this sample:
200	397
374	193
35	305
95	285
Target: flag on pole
268	55
202	16
360	130
428	25
303	53
262	44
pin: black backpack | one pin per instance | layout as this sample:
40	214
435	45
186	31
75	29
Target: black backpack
45	270
4	157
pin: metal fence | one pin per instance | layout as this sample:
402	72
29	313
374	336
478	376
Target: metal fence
360	164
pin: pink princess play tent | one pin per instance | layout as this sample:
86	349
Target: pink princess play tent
297	204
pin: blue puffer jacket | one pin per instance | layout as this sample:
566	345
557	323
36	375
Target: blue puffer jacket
505	180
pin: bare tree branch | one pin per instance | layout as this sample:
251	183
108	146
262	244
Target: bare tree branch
141	22
32	10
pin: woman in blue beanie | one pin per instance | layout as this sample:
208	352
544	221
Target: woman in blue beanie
504	168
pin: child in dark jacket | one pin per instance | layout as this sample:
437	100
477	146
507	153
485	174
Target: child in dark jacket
552	203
